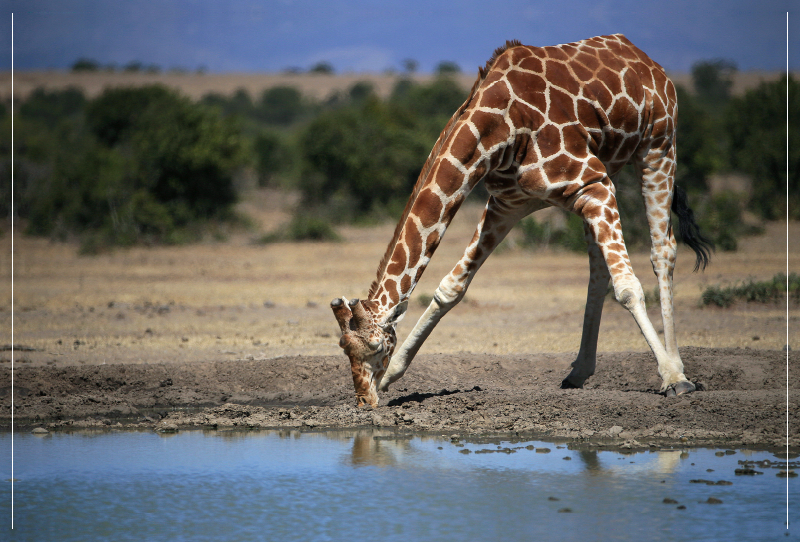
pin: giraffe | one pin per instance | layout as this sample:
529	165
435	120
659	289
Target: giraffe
542	126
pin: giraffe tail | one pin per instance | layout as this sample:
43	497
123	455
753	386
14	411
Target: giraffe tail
689	230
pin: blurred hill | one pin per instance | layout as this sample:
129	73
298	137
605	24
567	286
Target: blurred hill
312	85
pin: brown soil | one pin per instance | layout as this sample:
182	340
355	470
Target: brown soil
234	333
745	402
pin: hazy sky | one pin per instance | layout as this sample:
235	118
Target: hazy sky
375	35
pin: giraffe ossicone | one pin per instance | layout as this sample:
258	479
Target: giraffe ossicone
542	126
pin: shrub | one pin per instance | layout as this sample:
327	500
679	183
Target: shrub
145	166
751	291
447	67
85	65
303	227
361	155
720	219
280	105
700	154
757	127
571	237
274	156
52	107
436	101
322	67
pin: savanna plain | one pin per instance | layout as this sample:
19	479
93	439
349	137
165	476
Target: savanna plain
236	333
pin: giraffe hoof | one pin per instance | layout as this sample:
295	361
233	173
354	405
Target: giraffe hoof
567	385
679	388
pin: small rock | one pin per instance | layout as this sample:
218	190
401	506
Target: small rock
553	499
40	431
667	500
746	471
542	450
713	500
615	430
565	510
681	507
787	474
167	428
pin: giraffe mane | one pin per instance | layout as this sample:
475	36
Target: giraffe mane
426	168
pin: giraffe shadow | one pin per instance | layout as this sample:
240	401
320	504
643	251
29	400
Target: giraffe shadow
418	397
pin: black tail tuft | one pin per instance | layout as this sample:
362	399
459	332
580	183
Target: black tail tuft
690	232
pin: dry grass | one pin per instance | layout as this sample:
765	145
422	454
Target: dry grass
236	299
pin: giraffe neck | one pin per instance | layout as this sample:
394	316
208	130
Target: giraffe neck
459	160
419	236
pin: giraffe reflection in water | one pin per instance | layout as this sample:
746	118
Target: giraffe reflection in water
378	448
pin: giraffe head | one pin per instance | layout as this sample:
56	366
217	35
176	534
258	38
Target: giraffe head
368	339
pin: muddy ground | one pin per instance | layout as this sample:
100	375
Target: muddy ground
744	402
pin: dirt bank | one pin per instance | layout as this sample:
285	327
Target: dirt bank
745	401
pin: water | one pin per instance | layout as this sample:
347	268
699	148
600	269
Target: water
368	485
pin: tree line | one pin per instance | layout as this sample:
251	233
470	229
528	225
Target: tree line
149	165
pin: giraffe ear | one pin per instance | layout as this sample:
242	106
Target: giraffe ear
395	315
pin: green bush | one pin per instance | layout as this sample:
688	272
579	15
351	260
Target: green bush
361	155
700	152
238	105
757	127
751	291
275	157
435	101
303	227
536	235
52	107
281	105
720	219
134	165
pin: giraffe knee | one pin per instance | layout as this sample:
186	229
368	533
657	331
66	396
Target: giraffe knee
448	295
630	296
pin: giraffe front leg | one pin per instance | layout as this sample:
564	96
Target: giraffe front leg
498	219
402	358
598	207
584	364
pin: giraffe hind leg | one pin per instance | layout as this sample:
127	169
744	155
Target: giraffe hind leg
584	364
598	207
657	172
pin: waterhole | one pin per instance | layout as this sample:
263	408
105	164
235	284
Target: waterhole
373	485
